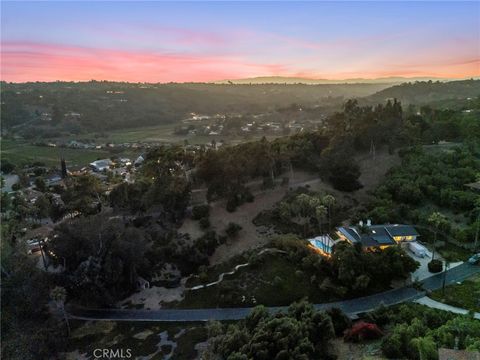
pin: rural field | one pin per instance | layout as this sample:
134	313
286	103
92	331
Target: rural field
165	134
22	152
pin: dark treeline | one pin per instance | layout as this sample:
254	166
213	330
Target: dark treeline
426	182
105	105
428	92
329	151
351	272
112	105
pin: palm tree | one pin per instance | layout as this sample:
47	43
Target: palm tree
300	210
436	219
329	201
59	295
320	213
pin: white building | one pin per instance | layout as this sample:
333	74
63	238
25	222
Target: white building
101	165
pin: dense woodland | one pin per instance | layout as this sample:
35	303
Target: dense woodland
300	333
428	182
415	332
428	92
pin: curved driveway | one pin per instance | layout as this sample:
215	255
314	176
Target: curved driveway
351	307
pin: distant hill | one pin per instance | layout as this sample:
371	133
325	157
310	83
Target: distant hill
310	81
428	92
106	105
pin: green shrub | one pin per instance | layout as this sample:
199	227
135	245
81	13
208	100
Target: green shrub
222	239
200	211
392	346
435	266
277	281
423	348
7	167
233	229
204	223
340	321
232	205
248	196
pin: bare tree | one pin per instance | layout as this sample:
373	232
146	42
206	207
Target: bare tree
437	220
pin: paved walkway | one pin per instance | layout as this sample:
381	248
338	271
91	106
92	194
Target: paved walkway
441	306
350	307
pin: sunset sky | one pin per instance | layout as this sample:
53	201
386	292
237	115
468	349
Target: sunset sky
208	41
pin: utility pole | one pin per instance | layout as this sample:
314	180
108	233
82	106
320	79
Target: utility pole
40	245
447	265
434	245
476	232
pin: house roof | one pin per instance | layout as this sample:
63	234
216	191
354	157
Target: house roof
371	241
101	163
401	230
350	233
377	235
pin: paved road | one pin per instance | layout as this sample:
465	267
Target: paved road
351	307
441	306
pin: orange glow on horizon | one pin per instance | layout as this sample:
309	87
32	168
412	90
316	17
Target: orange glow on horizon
27	61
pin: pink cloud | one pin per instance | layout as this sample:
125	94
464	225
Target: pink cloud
31	61
26	61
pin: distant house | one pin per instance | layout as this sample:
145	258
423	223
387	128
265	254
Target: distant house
101	165
31	195
54	179
377	236
125	161
139	161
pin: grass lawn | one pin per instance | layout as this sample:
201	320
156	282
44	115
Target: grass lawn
161	133
143	338
465	295
272	280
454	252
22	152
165	134
446	249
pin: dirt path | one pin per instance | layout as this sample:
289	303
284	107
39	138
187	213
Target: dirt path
152	298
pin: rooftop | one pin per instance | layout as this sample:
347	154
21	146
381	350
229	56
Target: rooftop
376	235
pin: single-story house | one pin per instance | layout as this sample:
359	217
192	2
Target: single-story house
377	236
139	161
101	165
